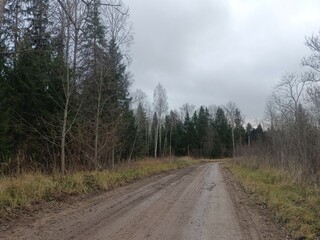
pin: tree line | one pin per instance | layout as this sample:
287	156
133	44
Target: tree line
292	121
65	102
209	131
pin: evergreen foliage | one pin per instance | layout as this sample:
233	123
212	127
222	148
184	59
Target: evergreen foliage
43	91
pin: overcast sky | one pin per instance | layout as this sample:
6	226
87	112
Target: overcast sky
213	51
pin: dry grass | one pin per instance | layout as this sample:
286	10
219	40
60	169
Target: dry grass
217	160
28	189
295	206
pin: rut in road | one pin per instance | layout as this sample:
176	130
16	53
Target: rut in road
192	203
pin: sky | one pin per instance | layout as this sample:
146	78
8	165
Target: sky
208	52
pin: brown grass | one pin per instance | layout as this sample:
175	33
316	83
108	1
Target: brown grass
27	189
294	206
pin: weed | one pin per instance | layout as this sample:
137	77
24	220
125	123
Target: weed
298	209
32	188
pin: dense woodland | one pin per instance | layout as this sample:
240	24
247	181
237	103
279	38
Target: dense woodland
65	101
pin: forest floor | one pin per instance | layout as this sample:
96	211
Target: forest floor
202	201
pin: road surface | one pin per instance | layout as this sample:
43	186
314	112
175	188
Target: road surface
193	203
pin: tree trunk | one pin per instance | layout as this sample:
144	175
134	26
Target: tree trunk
97	122
147	140
63	135
164	152
66	109
170	146
133	145
160	140
233	144
112	159
156	141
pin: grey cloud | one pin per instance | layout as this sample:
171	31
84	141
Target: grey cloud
210	52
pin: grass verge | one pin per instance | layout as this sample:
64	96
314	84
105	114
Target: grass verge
294	206
28	189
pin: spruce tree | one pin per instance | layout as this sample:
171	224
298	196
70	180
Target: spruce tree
30	81
202	129
141	137
223	142
190	132
239	130
4	110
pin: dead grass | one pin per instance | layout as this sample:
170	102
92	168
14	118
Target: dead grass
295	206
28	189
217	160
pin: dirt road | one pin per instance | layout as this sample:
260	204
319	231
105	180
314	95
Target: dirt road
198	202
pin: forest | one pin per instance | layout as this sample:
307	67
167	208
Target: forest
66	101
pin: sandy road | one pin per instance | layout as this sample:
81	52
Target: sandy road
192	203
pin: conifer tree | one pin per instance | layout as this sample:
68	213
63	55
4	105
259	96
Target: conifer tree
5	140
31	79
223	141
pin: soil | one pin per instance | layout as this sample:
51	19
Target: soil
198	202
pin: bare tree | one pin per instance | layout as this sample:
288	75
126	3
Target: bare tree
212	110
71	22
139	97
117	24
231	108
313	61
187	107
160	103
312	76
270	113
139	105
291	88
285	116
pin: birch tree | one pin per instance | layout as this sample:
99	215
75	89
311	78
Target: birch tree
230	109
72	20
160	103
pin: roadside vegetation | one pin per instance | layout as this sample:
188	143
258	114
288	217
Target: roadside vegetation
27	189
281	167
71	124
294	203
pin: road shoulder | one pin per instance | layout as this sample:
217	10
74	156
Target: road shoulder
255	220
